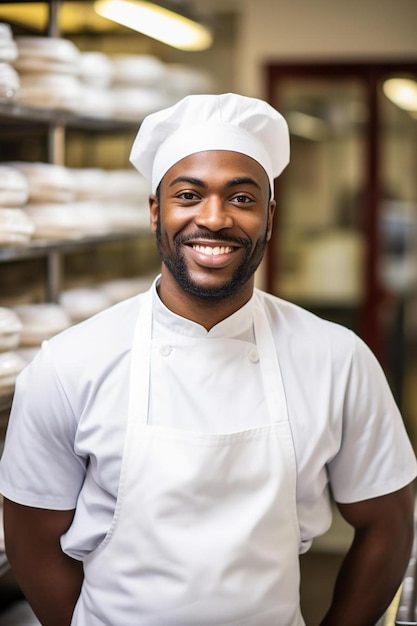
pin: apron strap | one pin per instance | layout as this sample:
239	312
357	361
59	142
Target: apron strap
270	367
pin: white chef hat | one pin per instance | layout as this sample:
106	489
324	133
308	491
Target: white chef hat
211	122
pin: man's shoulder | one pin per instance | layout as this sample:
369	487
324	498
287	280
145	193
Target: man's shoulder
288	319
295	312
97	342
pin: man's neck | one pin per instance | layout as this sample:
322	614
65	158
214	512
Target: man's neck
206	311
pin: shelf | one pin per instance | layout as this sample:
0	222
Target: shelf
43	248
37	115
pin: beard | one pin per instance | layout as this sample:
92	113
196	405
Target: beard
175	262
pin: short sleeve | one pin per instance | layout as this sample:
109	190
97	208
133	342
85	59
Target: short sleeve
375	456
39	467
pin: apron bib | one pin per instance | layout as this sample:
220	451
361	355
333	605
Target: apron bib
205	530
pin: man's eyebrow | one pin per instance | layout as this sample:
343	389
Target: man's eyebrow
188	179
243	180
234	182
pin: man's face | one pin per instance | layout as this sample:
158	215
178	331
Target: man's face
213	222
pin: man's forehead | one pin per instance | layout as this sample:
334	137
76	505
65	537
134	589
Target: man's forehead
222	165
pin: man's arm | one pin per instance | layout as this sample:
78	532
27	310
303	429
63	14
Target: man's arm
376	561
50	580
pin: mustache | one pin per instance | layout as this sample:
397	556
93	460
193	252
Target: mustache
201	235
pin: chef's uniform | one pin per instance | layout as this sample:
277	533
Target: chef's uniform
200	517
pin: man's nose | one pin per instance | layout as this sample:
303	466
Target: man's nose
214	214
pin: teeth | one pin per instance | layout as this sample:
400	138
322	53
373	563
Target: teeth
213	251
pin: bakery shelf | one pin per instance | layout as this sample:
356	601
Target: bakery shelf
45	248
24	114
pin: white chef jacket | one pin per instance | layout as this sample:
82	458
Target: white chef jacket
65	437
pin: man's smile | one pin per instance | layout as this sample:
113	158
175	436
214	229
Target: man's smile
212	250
211	254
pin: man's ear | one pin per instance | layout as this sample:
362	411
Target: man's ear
154	211
271	211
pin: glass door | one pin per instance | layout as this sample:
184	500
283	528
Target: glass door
397	103
318	256
344	241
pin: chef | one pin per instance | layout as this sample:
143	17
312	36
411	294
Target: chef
168	460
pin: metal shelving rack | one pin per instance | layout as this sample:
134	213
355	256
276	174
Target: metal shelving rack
15	112
14	116
54	252
55	122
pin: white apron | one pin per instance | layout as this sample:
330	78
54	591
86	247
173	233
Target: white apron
205	530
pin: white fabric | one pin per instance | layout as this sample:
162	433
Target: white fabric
211	122
209	522
71	405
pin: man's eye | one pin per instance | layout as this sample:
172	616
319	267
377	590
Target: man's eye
187	195
242	199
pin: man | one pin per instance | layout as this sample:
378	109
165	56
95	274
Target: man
167	460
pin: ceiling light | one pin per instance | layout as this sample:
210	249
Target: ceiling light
156	22
402	92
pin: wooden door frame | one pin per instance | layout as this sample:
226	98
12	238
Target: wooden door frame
370	73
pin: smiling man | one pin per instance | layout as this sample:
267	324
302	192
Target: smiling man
173	455
212	226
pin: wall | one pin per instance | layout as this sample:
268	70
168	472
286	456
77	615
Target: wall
284	30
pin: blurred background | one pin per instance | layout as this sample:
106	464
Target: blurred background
74	233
